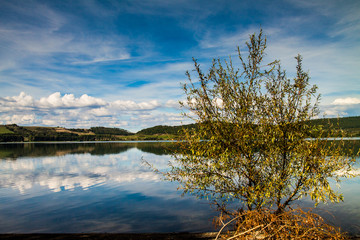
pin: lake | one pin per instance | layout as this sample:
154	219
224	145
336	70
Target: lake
104	187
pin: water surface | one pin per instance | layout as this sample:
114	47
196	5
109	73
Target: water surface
104	187
92	187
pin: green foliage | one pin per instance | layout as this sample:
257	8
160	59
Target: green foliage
80	130
110	131
43	134
174	130
14	133
344	123
61	136
256	121
18	130
5	130
11	138
350	125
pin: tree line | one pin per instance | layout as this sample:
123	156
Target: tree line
15	133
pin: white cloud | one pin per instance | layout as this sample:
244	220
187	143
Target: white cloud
100	112
133	106
342	107
69	101
21	100
334	113
48	122
218	102
84	112
346	101
172	104
121	56
20	119
54	101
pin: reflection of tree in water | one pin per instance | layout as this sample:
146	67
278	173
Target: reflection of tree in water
14	151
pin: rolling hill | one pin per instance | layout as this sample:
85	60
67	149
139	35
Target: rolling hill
15	133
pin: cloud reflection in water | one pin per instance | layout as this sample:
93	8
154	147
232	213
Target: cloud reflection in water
75	171
87	192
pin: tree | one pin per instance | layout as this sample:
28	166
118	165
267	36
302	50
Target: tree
251	146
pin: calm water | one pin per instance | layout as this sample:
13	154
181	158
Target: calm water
98	187
103	187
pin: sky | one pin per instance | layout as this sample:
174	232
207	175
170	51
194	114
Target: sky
86	63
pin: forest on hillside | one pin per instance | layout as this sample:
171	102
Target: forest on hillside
15	133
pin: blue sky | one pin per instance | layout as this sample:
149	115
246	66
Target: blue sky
120	63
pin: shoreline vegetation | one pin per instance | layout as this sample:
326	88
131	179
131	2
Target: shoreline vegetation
15	133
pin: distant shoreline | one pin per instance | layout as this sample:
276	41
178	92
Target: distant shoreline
15	133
